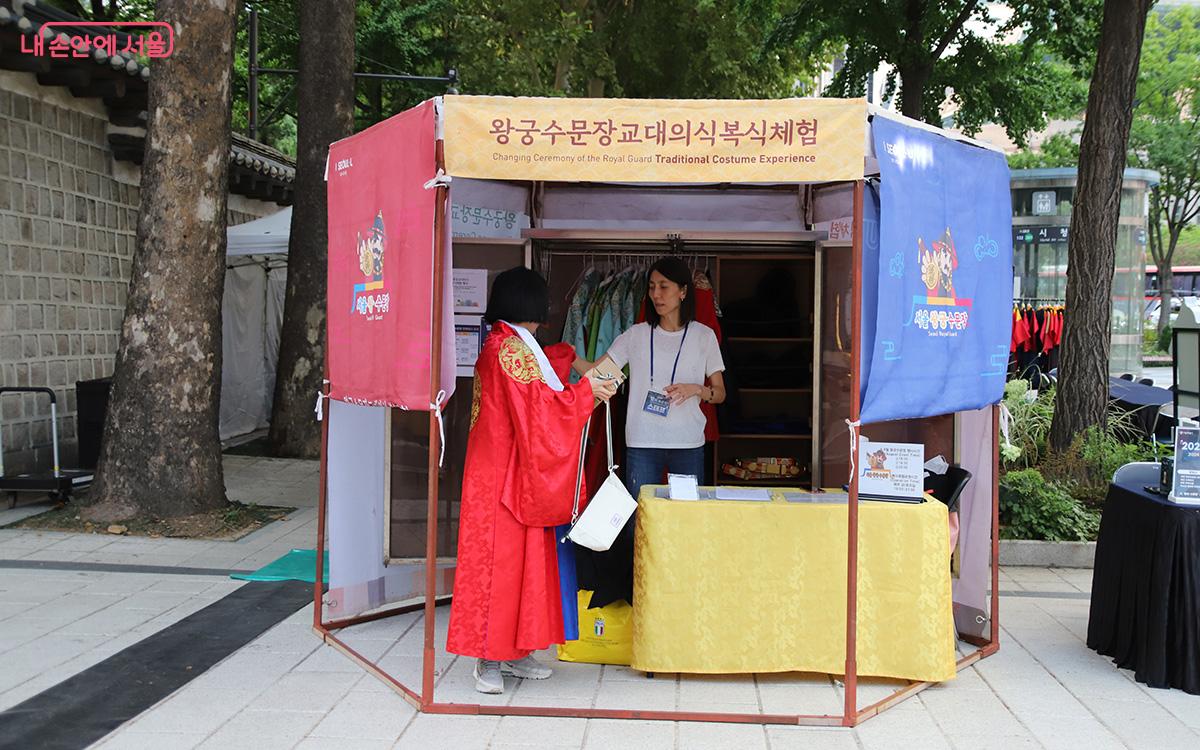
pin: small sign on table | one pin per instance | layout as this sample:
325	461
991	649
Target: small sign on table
1185	484
891	471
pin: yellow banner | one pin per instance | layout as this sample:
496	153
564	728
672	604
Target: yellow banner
655	140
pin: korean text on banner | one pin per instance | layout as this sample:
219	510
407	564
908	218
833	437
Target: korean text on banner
654	140
940	317
380	294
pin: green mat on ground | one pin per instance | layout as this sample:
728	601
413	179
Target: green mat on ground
297	565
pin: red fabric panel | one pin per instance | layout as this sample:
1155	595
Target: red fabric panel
380	264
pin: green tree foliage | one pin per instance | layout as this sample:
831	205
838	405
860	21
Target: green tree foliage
954	48
662	49
112	10
1165	135
1059	150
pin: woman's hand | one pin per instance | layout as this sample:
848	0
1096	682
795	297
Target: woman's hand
681	392
602	389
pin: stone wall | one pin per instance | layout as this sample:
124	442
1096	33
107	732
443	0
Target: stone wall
68	221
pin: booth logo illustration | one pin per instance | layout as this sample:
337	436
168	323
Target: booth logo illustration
876	467
598	627
939	311
371	300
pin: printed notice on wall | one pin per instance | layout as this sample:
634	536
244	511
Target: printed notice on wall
470	290
891	470
1185	485
469	333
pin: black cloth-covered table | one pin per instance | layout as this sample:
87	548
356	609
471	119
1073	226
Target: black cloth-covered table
1142	401
1145	609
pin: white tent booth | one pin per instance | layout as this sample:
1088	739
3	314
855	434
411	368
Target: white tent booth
251	319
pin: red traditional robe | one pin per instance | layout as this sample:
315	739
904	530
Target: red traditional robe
519	480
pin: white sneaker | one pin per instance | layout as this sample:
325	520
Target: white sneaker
488	678
528	668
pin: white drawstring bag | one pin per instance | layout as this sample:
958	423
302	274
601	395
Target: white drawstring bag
610	508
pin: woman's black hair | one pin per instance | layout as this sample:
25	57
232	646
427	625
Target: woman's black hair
675	270
519	295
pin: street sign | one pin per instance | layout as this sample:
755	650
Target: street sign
1045	203
1041	235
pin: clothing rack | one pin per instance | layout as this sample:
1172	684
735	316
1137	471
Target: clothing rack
1039	301
620	258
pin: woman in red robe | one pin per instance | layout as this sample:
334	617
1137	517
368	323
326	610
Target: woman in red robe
518	483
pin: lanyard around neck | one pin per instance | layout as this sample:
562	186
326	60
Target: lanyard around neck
676	367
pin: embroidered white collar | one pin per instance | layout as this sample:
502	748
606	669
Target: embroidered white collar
548	373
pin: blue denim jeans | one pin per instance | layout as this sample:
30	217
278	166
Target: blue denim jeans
646	465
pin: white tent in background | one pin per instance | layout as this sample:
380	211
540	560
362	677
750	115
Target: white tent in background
252	316
265	236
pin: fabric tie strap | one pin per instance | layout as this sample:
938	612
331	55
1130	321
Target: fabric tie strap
320	398
436	408
1005	423
441	179
853	427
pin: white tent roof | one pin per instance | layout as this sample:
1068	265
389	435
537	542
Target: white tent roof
265	236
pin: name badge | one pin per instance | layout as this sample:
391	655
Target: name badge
657	404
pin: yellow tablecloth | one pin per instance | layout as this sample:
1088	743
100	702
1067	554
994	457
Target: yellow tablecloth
742	586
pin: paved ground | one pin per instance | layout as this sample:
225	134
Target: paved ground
285	689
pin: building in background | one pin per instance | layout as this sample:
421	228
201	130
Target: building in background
72	131
1042	201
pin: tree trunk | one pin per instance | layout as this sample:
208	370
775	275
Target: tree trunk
912	91
1082	394
325	95
1166	290
161	453
1158	255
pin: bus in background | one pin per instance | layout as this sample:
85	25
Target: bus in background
1186	281
1186	290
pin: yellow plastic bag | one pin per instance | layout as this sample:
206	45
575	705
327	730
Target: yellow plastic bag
605	634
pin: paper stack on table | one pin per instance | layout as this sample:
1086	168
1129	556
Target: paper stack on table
738	493
683	487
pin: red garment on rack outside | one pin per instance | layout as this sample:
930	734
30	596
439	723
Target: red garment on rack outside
1020	332
522	455
1056	329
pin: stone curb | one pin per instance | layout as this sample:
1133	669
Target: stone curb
1035	554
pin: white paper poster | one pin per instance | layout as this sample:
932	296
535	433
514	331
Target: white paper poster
469	333
895	470
470	290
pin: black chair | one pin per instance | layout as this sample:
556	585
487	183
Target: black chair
1126	376
1146	381
949	486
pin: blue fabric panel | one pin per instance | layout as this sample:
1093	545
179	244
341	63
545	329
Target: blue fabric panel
943	303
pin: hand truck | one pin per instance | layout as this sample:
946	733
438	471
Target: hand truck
59	483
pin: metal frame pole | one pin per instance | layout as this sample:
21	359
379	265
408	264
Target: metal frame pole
850	709
322	506
994	646
435	383
253	74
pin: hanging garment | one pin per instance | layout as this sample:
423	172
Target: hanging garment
706	313
574	329
522	453
1020	333
611	302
